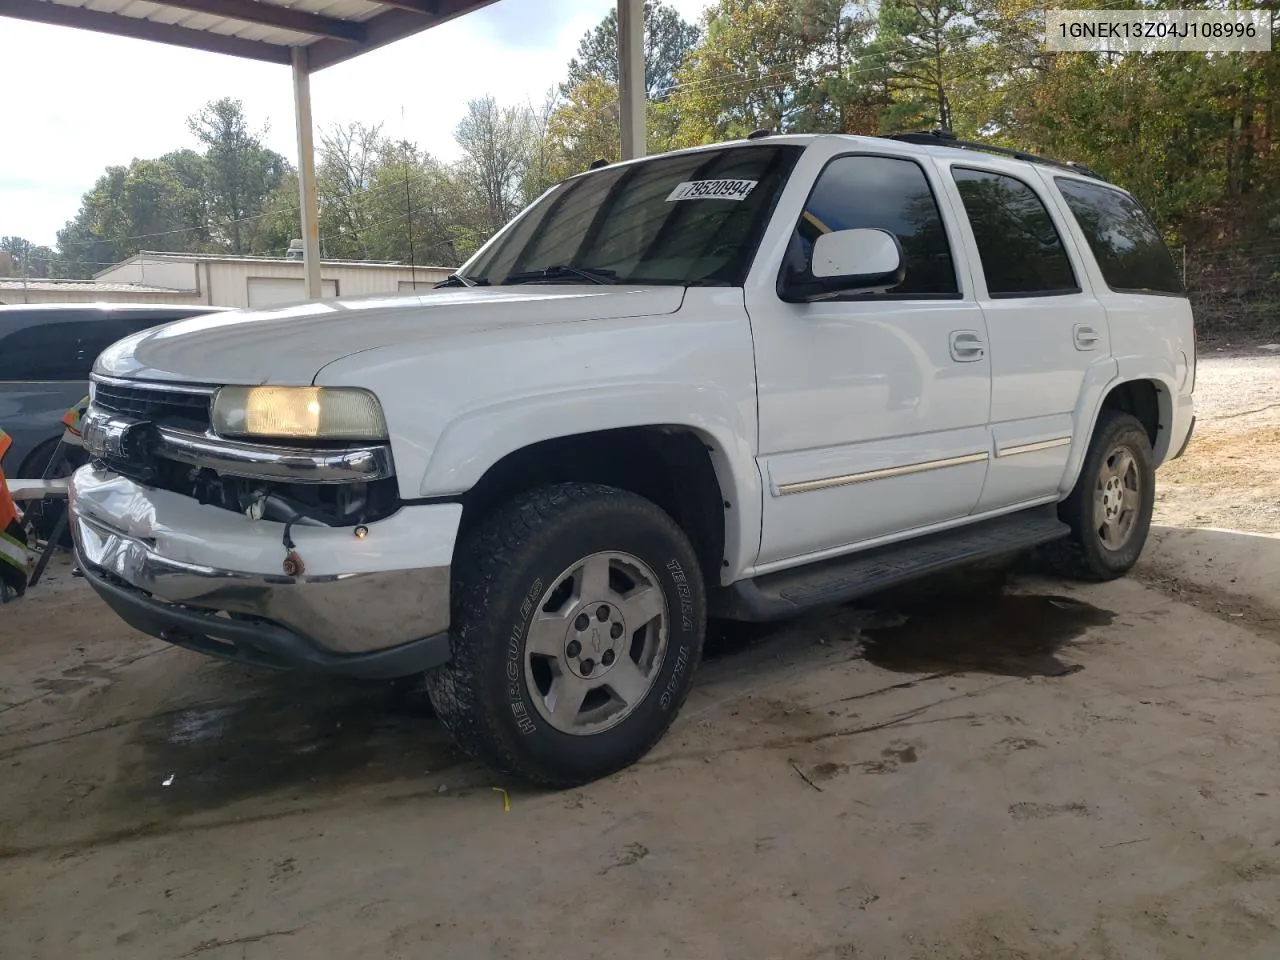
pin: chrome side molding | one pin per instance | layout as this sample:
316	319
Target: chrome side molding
804	486
1036	447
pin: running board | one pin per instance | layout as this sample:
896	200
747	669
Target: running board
779	596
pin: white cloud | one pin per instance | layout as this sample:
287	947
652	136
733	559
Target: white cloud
93	100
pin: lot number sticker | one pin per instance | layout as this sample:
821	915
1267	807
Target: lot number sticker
712	190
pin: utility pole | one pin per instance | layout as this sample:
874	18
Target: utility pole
631	79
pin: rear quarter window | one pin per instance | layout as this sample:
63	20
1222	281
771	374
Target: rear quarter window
1130	252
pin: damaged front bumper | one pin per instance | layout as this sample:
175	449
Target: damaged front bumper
374	604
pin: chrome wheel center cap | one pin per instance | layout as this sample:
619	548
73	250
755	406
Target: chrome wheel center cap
594	641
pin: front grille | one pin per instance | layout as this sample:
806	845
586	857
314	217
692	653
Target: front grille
172	408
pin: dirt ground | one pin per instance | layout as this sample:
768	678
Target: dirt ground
1230	475
1042	770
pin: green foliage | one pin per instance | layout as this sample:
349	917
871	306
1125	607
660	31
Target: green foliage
667	41
495	144
225	198
20	257
421	211
584	128
745	75
242	173
142	203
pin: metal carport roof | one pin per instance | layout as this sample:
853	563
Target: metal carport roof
311	35
330	31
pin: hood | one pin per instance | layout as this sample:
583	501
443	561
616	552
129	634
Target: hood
288	345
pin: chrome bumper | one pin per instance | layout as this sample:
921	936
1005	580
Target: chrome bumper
267	462
341	616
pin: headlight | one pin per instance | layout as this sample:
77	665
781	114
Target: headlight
315	413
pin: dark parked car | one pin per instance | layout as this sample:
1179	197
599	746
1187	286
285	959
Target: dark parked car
46	352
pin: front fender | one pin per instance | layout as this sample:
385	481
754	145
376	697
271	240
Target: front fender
459	404
473	443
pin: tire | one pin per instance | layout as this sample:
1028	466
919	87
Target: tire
528	641
1100	502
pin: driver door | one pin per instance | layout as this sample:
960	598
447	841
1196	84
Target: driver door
873	408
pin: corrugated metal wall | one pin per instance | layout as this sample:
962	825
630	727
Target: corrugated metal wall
225	283
229	280
13	295
158	273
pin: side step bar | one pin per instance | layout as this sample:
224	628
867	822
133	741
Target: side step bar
779	596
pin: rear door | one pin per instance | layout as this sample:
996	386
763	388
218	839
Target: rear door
1049	334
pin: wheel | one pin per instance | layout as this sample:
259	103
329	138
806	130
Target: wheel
1109	510
42	515
578	620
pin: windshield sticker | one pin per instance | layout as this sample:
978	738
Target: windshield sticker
712	190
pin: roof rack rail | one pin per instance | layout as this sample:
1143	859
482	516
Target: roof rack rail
945	138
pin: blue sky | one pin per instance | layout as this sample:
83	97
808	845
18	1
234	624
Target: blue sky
88	100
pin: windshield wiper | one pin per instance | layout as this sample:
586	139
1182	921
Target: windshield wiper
562	271
458	280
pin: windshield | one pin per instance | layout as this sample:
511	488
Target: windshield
693	218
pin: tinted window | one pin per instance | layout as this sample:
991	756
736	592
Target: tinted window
1125	242
50	349
644	223
884	193
1021	252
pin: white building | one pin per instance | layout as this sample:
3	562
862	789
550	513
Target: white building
222	281
89	291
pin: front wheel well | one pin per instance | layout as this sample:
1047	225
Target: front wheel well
669	466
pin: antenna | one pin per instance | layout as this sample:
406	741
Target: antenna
408	205
408	201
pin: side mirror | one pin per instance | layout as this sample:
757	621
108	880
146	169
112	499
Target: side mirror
864	260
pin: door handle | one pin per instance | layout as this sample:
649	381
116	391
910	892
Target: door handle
967	346
1086	337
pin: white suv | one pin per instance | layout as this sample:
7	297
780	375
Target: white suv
742	381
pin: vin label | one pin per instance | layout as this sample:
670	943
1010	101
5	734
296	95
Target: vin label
1155	31
712	190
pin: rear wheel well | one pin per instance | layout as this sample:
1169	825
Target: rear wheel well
1141	399
669	466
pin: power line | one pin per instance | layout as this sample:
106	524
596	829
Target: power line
722	82
164	233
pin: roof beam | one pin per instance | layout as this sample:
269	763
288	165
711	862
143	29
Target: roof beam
431	8
270	15
389	27
41	11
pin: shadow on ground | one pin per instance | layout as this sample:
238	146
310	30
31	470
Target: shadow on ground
283	732
288	734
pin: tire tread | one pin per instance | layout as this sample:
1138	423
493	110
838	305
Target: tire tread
482	569
1071	557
